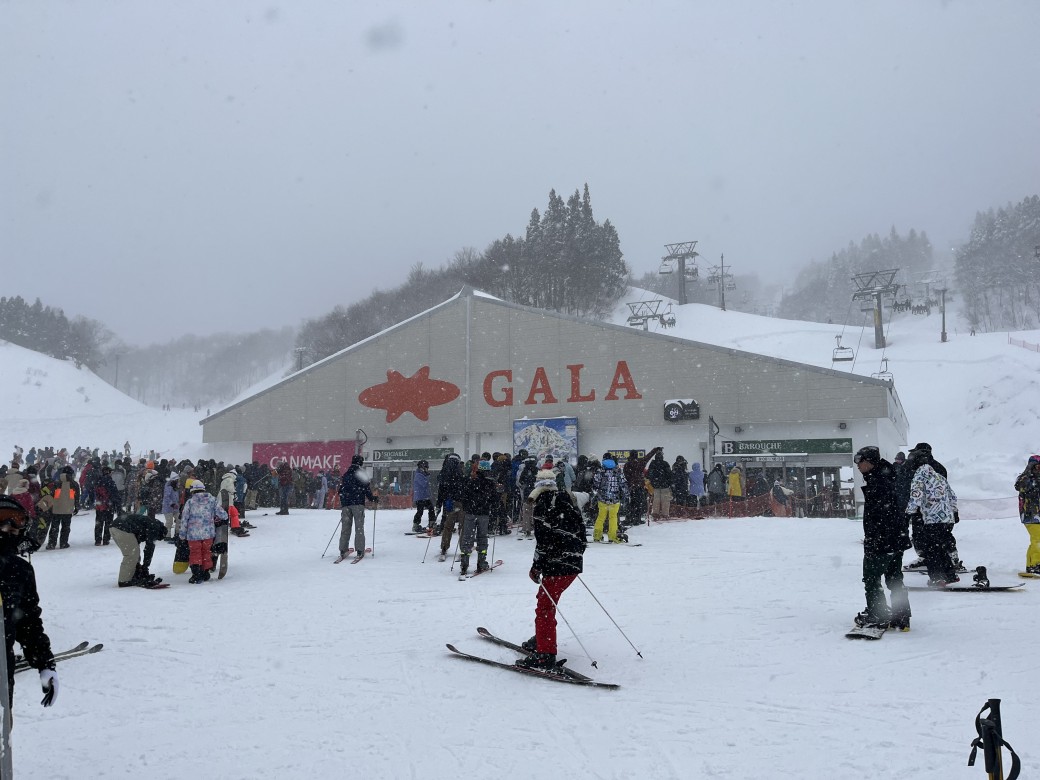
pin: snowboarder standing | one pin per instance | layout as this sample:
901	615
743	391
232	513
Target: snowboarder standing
21	602
934	500
353	491
885	536
1028	487
560	542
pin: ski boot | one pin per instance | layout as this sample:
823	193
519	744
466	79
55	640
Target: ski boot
416	528
918	564
545	662
482	564
1033	569
464	565
530	645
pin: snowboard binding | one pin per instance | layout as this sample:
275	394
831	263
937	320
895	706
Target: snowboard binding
981	579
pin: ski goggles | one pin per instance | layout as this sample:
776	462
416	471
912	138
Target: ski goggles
11	519
869	454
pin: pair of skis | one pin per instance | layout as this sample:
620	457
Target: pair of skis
478	572
560	674
356	558
83	648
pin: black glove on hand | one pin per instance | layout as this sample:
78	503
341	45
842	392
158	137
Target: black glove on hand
535	574
49	682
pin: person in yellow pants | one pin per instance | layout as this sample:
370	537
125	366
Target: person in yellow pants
610	487
1028	487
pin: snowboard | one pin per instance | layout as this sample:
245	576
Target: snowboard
924	570
220	547
969	588
1029	575
180	556
866	632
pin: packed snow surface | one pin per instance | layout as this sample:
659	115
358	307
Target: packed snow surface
293	667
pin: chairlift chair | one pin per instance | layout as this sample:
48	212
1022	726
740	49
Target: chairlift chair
884	374
842	354
666	268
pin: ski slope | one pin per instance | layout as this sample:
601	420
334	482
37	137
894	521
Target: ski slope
294	668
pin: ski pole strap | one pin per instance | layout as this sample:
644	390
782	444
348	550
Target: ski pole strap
991	741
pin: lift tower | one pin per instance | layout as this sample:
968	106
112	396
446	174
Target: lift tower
872	285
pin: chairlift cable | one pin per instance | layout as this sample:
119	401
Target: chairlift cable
859	343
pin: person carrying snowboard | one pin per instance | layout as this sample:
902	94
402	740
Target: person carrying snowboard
886	535
560	542
198	528
22	615
1028	487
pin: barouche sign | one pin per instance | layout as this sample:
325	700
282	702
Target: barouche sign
787	446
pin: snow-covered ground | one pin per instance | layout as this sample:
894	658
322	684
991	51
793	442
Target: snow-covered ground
292	667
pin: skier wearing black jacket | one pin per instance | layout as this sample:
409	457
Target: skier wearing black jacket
450	486
560	542
478	498
885	536
22	614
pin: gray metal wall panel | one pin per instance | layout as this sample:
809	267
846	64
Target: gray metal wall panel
322	402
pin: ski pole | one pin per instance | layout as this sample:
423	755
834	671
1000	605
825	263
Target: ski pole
375	509
332	537
432	526
457	544
609	616
558	612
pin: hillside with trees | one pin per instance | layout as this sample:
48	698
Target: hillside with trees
822	291
566	262
998	268
46	329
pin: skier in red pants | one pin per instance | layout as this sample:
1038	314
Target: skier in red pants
560	541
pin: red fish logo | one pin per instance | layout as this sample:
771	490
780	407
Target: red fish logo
415	394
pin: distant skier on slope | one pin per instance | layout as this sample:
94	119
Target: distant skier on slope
885	536
560	543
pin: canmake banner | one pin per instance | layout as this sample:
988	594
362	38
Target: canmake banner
308	455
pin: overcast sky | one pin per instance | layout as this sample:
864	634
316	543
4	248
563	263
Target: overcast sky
172	167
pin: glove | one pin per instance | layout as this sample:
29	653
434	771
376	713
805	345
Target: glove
956	517
535	574
49	682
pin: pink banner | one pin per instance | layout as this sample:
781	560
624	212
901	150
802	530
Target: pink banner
308	455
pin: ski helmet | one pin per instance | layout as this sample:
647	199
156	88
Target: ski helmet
357	460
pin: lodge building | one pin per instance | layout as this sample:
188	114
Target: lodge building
476	373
